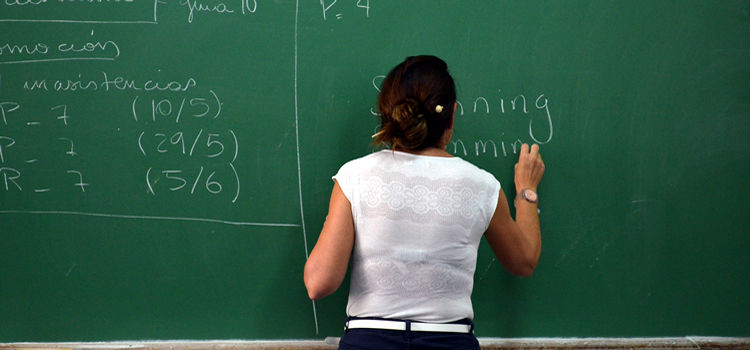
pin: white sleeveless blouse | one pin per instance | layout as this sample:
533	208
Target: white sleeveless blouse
418	222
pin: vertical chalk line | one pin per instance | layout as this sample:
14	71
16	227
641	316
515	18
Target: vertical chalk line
299	162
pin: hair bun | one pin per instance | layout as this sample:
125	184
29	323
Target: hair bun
410	124
407	109
413	101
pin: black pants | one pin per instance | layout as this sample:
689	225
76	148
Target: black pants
363	339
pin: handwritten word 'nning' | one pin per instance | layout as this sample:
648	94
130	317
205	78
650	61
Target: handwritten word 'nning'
518	103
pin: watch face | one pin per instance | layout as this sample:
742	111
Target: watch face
530	195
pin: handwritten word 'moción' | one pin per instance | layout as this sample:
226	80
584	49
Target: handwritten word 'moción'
107	50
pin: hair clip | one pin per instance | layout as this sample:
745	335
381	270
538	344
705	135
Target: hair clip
439	109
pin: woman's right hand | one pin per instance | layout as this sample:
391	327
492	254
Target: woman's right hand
518	244
529	169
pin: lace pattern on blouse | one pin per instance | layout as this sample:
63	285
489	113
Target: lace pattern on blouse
421	200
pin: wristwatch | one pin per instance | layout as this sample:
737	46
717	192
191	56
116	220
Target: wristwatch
529	195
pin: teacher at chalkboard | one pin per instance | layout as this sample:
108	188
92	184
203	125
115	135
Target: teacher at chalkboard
410	219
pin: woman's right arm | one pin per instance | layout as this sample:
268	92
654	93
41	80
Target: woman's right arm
518	244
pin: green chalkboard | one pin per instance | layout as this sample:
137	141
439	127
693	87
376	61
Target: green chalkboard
165	164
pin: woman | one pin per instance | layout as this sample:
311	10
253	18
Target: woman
411	219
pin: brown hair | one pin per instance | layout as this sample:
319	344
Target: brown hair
408	100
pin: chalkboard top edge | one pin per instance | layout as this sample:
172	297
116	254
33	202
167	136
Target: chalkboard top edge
485	343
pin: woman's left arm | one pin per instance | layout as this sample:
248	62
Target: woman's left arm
326	267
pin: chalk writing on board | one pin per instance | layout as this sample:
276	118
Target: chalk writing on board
64	117
10	176
163	143
196	107
41	2
176	144
166	142
146	217
80	182
108	46
131	11
362	5
517	103
7	108
56	148
192	180
108	84
246	6
71	152
5	142
16	178
482	147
